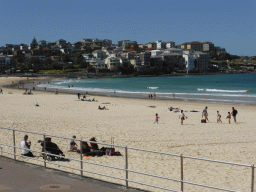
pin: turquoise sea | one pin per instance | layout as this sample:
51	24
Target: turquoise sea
226	88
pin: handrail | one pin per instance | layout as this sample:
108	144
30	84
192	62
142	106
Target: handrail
126	159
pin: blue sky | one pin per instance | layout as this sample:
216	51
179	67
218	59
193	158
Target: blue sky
228	24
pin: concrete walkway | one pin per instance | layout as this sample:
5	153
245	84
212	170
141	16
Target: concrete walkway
20	176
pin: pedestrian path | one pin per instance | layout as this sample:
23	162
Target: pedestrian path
19	176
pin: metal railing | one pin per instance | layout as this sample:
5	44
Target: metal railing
126	179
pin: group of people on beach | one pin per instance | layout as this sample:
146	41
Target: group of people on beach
182	115
93	149
233	113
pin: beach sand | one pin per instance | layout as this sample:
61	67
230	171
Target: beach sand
131	123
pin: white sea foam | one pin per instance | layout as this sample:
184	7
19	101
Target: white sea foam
227	91
152	87
200	89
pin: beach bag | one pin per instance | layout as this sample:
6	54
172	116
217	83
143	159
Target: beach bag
203	121
110	151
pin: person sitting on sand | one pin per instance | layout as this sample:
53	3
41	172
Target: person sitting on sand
94	146
72	145
101	108
86	149
25	145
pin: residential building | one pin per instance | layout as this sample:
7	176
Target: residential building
145	58
42	42
112	63
155	53
65	50
120	43
9	46
129	55
97	63
196	61
127	43
151	45
5	63
208	47
170	44
15	47
173	51
46	50
23	47
195	45
124	62
160	44
107	42
136	62
61	42
99	54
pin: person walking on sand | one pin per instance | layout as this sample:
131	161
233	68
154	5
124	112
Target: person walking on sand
218	117
205	114
234	113
157	117
78	95
56	91
229	117
182	116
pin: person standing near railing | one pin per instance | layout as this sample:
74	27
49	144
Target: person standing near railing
25	145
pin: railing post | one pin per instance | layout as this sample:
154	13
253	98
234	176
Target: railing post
181	171
126	166
14	149
81	158
44	152
252	178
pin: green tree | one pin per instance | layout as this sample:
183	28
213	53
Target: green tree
65	58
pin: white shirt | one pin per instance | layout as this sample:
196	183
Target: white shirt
25	148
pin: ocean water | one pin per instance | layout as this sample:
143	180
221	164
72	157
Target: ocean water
225	88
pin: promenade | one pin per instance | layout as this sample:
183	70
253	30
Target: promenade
19	176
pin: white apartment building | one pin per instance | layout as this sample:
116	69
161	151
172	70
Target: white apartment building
97	63
125	43
99	54
155	53
160	44
112	63
173	51
170	44
196	60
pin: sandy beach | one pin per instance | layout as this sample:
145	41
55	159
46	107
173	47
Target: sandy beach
131	123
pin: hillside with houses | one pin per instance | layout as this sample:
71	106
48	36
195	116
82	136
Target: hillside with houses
126	57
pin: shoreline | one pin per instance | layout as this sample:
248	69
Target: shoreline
33	82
